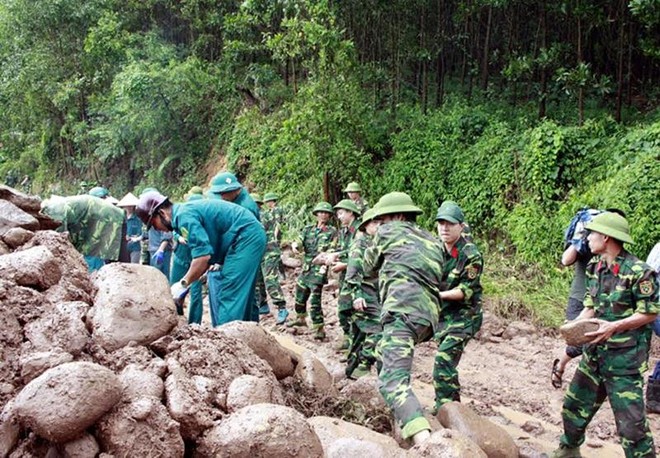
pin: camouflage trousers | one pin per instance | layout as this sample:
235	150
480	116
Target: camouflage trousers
366	332
270	267
452	339
260	296
586	393
312	292
396	349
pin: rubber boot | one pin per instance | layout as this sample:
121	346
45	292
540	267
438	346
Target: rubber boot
653	396
282	315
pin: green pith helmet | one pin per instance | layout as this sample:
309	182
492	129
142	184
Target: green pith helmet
196	190
396	202
194	196
368	216
225	182
611	224
450	211
348	204
271	196
322	207
256	197
352	187
99	191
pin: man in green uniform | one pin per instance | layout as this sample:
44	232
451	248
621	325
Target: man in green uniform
409	264
622	292
94	226
315	238
354	192
363	290
461	314
272	219
217	232
348	215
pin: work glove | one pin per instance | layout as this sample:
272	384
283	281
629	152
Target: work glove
178	291
158	257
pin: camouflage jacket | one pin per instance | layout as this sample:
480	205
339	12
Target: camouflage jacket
316	240
616	292
463	268
362	205
409	263
357	283
272	222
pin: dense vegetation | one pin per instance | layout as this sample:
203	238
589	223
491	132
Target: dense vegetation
523	111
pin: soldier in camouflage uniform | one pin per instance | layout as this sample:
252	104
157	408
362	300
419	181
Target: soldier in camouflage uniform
354	192
409	264
316	238
622	292
363	290
461	314
272	219
348	214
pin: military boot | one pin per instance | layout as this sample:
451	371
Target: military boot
653	396
300	321
566	452
362	370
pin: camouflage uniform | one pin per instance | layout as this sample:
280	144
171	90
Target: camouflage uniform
614	368
345	302
409	264
362	205
367	329
315	240
271	264
460	320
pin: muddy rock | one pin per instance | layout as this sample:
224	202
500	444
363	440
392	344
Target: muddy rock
248	390
261	430
9	429
27	203
83	447
118	360
4	249
35	364
16	237
491	438
263	344
137	384
449	444
10	329
35	267
56	329
133	303
11	217
365	391
573	331
32	446
313	373
140	429
352	440
64	401
26	304
518	329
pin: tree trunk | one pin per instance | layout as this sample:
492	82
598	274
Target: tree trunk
620	81
484	59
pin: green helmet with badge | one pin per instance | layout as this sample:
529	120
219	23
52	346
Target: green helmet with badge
322	207
352	187
99	191
611	224
270	196
396	202
368	216
225	182
348	204
450	211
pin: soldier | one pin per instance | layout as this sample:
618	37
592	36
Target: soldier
363	290
348	215
316	238
461	313
353	191
217	232
271	265
409	264
622	292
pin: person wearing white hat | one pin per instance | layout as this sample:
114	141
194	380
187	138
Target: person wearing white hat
134	227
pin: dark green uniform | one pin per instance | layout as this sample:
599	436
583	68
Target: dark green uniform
459	320
315	240
614	368
345	302
272	262
409	264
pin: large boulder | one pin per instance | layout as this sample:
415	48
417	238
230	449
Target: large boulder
365	392
138	383
249	390
16	237
12	216
263	344
33	364
56	329
346	440
133	303
261	430
449	444
64	401
27	203
35	267
490	438
311	371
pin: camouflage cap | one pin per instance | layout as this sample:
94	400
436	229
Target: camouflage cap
352	187
450	211
271	196
99	191
322	207
225	182
348	204
396	202
611	224
369	215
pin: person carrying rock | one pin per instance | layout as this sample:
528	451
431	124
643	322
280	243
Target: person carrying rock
315	239
272	219
354	192
409	263
217	232
622	293
366	328
461	314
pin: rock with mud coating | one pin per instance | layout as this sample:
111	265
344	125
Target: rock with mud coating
448	443
12	216
574	331
16	237
248	390
35	267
